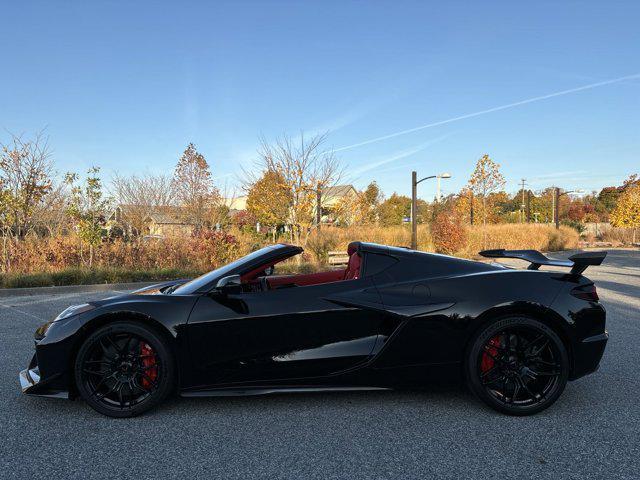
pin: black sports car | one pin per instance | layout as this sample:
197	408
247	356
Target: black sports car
393	318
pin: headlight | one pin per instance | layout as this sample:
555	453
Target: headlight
74	310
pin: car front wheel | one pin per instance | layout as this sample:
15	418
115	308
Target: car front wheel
517	365
123	369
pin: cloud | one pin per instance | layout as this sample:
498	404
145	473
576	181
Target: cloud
491	110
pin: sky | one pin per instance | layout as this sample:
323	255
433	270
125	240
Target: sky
550	90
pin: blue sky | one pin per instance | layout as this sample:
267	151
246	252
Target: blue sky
127	85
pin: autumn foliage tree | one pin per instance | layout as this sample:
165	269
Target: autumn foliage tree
193	187
368	202
305	167
485	180
88	207
269	200
447	232
25	179
626	214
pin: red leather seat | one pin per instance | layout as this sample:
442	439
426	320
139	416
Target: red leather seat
353	267
352	272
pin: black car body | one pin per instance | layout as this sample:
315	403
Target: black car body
393	318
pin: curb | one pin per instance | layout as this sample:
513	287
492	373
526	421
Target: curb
102	287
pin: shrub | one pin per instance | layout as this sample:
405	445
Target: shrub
577	225
448	233
321	243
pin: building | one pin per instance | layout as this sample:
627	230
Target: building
335	197
161	221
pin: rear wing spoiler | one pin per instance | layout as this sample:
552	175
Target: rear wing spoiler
578	262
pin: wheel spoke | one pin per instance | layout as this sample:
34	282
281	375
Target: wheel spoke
534	397
98	362
108	392
545	374
150	380
127	344
495	381
120	399
516	390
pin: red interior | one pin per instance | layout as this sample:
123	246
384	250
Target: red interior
352	272
306	279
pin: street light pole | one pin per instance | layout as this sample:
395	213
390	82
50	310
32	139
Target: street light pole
414	203
414	210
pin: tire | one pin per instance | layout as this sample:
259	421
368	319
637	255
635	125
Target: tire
517	365
124	369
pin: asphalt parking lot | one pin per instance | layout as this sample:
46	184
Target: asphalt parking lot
593	431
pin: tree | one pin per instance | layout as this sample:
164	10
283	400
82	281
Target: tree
368	202
138	196
485	179
269	200
88	207
305	167
394	209
447	232
193	187
626	214
608	197
25	176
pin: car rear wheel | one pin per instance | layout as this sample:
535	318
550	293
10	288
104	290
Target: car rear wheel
517	365
124	369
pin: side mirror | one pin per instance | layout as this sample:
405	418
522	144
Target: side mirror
229	285
269	270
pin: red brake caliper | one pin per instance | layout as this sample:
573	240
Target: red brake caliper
487	361
149	364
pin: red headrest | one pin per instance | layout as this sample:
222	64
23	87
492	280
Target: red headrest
352	248
353	268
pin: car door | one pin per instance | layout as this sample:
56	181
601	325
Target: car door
286	333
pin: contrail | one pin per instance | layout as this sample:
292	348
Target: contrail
490	110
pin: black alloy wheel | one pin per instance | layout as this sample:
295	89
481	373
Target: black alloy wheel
124	369
518	366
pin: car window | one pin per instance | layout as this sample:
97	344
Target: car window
196	284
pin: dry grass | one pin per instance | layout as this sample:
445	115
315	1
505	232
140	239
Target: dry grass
620	236
398	236
519	236
511	236
158	259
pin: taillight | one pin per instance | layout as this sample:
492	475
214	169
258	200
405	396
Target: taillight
586	292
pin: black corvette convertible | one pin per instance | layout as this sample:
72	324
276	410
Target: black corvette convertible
393	318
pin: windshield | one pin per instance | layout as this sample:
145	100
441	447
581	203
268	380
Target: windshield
196	284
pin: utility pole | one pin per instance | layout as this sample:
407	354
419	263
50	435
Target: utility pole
522	205
528	206
414	210
553	205
556	206
471	209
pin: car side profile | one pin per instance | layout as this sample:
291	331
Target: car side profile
394	318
